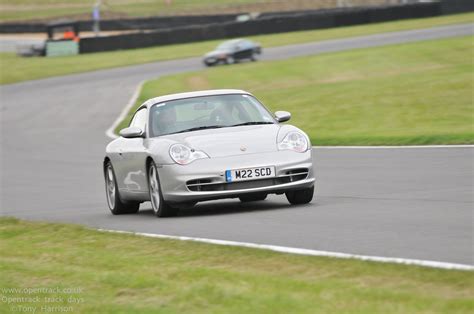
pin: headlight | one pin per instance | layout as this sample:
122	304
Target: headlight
294	141
184	155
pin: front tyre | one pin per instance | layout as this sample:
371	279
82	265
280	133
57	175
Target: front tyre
116	205
299	197
230	60
159	206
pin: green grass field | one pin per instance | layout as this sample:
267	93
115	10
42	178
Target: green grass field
418	93
16	69
117	273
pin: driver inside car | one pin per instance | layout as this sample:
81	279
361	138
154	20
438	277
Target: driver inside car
165	120
229	113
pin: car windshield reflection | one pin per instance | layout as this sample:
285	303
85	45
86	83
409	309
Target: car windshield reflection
209	112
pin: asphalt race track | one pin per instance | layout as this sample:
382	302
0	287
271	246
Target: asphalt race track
397	202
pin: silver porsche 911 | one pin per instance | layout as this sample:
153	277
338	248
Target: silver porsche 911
184	148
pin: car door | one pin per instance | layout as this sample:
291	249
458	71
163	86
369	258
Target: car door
133	160
239	52
247	49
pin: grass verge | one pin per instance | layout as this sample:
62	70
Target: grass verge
37	9
116	273
41	9
17	69
418	93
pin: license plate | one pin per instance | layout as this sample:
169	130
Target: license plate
234	175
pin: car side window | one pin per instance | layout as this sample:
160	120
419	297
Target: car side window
139	119
245	44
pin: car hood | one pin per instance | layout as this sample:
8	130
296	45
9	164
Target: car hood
230	141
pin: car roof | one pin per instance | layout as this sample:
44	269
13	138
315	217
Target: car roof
234	41
212	92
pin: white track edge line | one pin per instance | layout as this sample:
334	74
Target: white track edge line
308	252
110	131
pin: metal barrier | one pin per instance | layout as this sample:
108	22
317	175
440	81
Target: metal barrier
303	21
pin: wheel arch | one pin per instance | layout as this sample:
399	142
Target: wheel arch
148	162
105	162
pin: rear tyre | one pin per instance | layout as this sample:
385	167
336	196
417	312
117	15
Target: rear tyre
158	204
299	197
116	205
252	197
254	57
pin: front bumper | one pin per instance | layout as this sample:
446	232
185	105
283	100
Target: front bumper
204	179
214	60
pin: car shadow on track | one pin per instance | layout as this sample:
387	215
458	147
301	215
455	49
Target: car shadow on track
226	208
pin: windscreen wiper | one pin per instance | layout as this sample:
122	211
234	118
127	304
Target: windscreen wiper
200	128
252	123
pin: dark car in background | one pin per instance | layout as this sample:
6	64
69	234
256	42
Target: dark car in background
233	51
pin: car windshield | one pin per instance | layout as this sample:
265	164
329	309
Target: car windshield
227	45
207	112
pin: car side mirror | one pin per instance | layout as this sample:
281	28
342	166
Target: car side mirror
131	132
282	116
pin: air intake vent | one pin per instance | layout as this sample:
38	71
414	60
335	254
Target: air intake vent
206	185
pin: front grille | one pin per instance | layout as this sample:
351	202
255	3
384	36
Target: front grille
206	185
